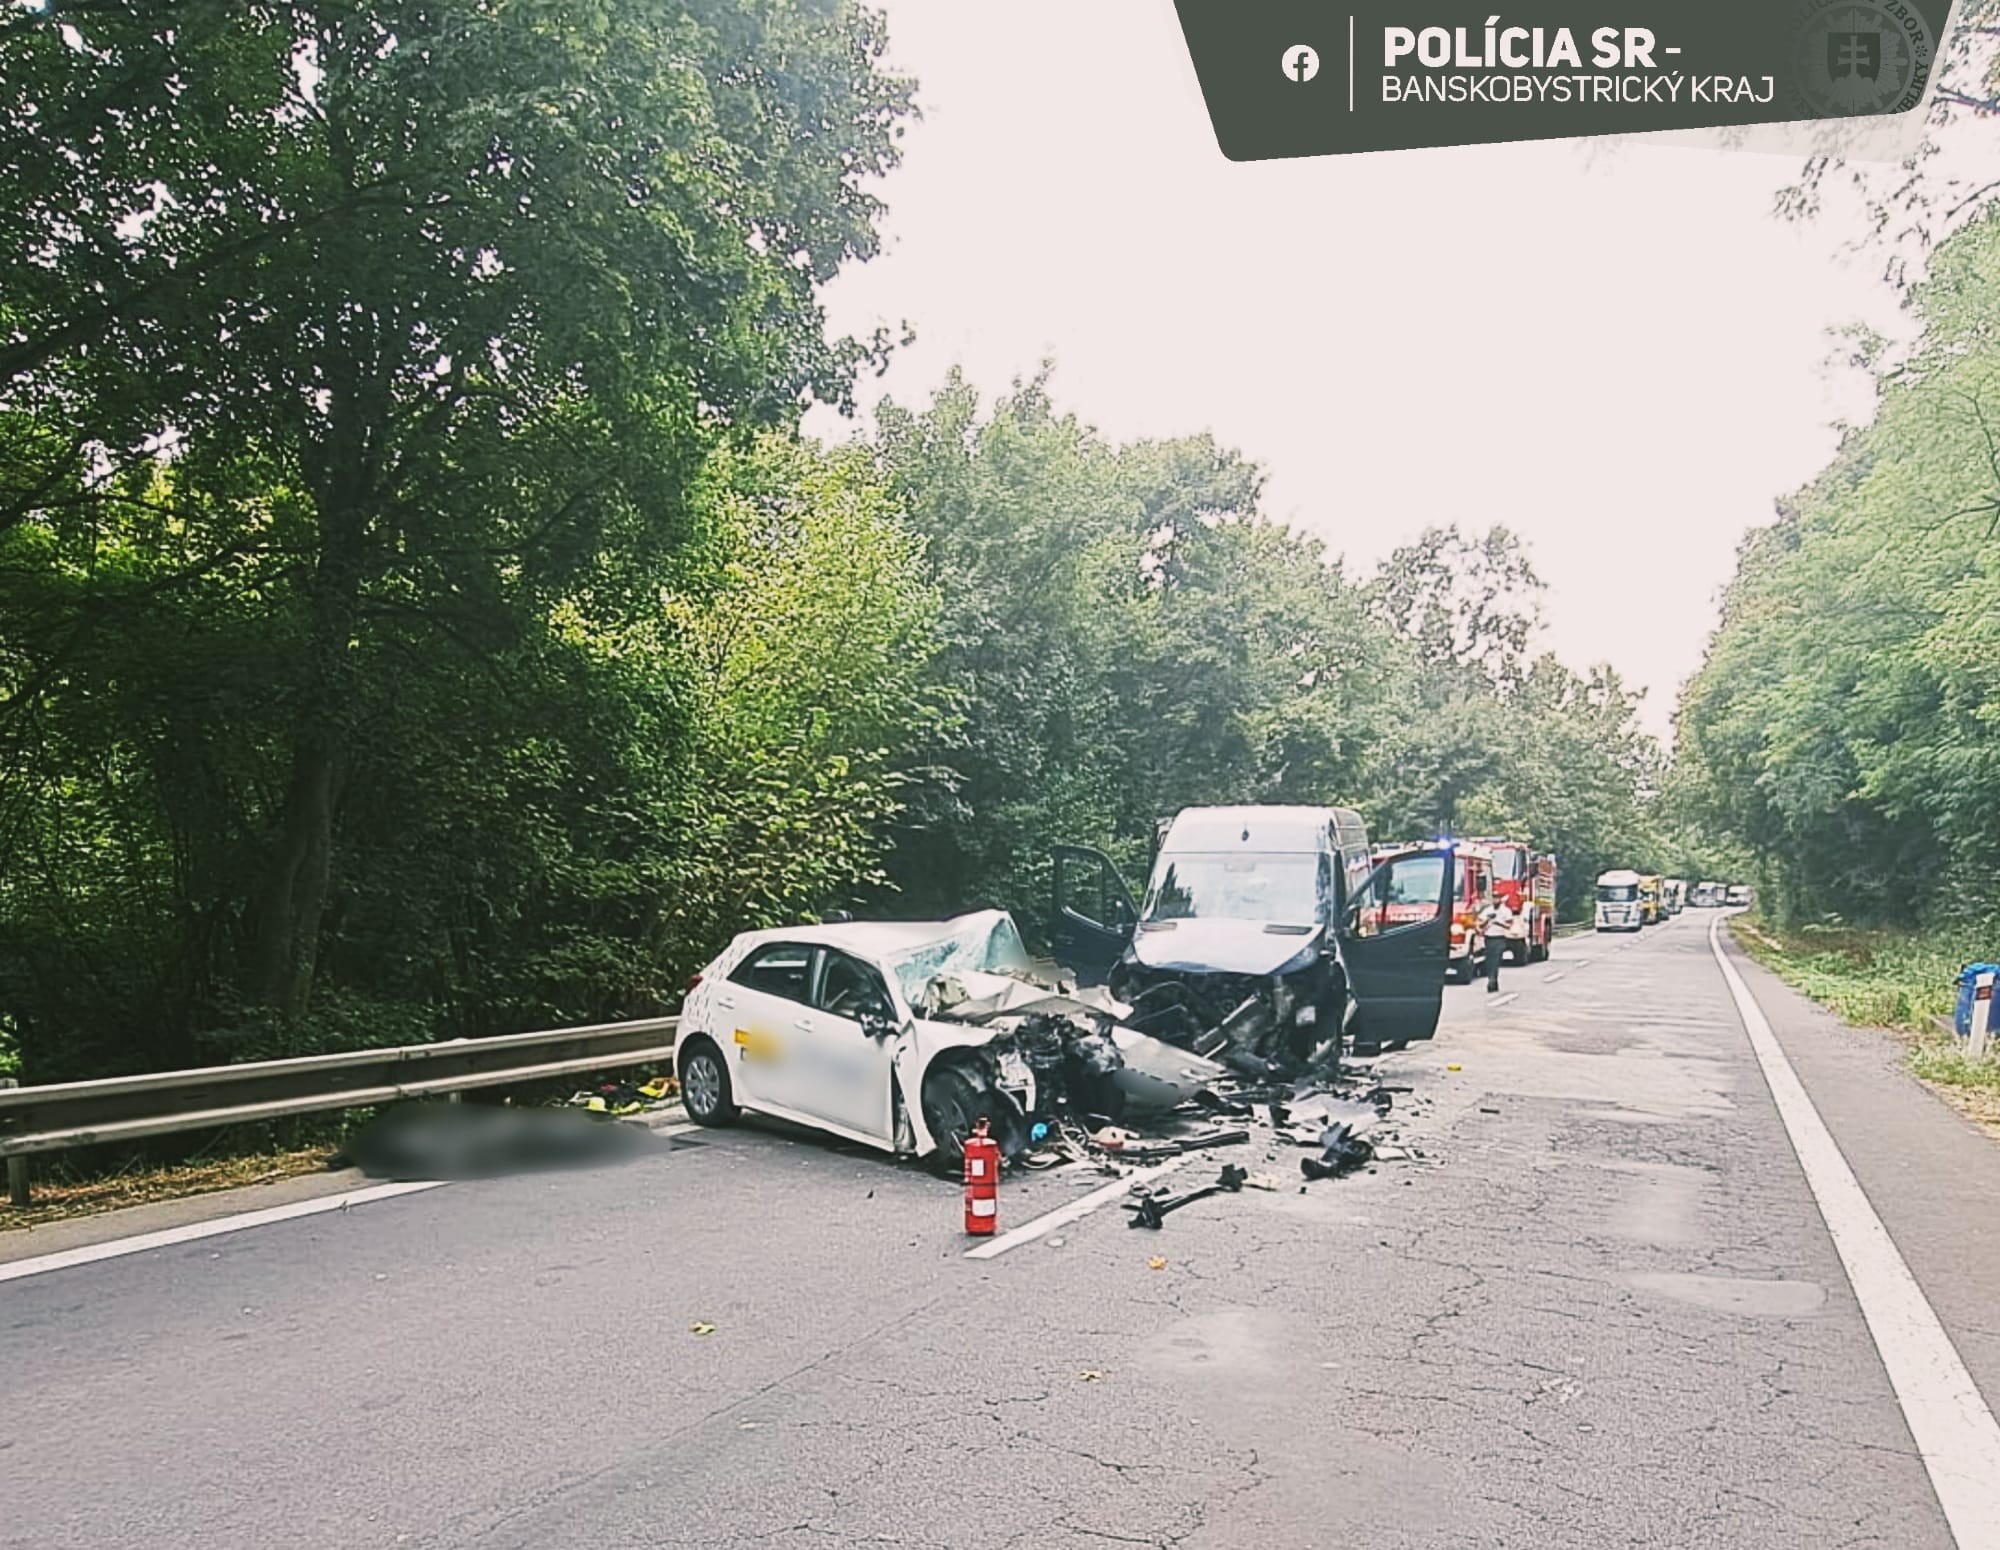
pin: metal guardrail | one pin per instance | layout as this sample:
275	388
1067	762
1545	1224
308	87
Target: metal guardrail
123	1108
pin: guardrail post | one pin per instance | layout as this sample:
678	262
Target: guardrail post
1982	1014
19	1189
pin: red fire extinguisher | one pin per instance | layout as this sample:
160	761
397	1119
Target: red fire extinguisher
982	1181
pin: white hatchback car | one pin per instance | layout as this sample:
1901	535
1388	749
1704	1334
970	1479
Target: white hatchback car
834	1026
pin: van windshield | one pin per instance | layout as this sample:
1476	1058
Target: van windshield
1281	887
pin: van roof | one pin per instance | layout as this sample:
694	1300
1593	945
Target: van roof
1295	828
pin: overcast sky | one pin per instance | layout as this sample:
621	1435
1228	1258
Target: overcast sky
1615	350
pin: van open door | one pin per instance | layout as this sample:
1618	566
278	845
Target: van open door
1094	914
1395	940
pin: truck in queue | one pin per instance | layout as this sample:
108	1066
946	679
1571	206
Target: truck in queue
1651	912
1618	904
1266	936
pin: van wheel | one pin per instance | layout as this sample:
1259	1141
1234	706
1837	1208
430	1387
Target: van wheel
705	1091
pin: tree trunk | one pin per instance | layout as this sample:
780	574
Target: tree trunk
292	899
341	465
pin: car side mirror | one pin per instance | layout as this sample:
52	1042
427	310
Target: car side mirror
877	1021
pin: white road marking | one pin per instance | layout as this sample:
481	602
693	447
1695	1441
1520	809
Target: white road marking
1552	977
1948	1418
1063	1215
1512	995
91	1253
138	1244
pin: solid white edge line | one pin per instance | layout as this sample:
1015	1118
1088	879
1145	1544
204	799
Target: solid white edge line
91	1253
20	1269
1063	1215
1949	1420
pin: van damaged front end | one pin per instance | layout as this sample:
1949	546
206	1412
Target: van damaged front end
1264	1000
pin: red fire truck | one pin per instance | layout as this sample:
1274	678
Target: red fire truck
1527	881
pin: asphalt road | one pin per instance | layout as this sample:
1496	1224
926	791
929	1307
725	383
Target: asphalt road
1603	1310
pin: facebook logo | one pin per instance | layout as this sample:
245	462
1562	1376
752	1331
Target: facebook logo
1301	63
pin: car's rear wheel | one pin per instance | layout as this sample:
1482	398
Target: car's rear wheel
705	1090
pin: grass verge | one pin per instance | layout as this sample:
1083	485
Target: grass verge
1898	980
57	1199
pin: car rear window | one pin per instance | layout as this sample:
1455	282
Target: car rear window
781	969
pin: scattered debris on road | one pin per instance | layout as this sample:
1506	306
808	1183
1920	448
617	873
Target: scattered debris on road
1152	1210
617	1100
1341	1151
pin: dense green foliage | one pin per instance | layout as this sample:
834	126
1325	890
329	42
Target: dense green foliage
1845	724
420	616
360	362
1124	634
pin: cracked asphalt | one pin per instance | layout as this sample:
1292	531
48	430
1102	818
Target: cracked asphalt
1601	1310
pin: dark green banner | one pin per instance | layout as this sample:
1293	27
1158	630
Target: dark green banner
1305	78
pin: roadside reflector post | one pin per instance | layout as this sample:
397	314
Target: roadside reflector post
1982	1014
19	1190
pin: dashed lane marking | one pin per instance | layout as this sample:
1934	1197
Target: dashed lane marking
1512	995
1949	1420
1063	1215
193	1231
1551	977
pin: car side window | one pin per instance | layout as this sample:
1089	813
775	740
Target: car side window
847	987
778	969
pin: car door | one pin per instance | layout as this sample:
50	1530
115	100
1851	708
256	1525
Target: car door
1395	938
1093	914
848	1040
757	1015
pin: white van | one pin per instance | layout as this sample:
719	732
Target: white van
1269	930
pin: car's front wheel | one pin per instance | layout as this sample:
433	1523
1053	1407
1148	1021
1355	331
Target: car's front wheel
705	1085
953	1103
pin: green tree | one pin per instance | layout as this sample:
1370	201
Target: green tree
356	364
1842	724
